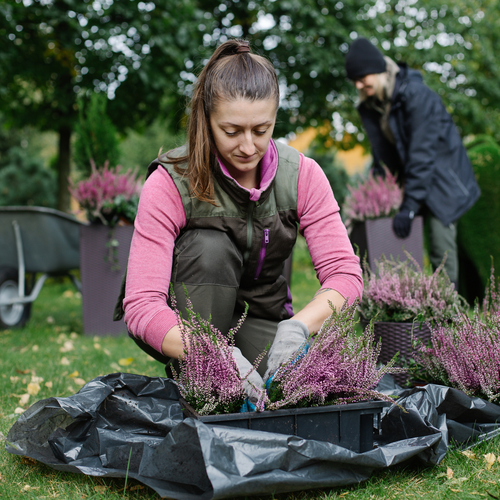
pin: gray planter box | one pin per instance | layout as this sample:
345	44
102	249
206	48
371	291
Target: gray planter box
100	282
376	238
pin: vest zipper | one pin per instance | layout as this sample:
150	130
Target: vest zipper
262	254
251	207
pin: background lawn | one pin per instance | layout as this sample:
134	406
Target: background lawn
51	357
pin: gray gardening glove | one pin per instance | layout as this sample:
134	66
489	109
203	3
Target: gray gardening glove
290	336
253	385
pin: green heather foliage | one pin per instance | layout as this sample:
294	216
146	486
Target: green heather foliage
25	181
478	230
96	136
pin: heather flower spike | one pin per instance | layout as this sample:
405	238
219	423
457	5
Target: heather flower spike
338	368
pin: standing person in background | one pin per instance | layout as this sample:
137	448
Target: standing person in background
411	132
220	216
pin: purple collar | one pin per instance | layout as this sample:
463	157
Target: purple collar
268	164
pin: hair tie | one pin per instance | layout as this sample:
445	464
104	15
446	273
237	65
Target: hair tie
243	48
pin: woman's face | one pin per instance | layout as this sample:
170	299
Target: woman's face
242	130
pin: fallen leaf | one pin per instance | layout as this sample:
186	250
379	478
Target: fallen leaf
36	380
18	410
73	335
116	367
62	337
449	473
79	381
35	348
2	437
50	320
13	380
68	346
100	489
23	371
105	351
48	384
455	491
64	361
24	349
125	361
137	487
74	374
68	294
33	388
97	345
24	399
28	460
96	338
490	459
26	487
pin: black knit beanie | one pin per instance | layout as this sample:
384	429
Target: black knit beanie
364	59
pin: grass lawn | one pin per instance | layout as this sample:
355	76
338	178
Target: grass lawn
51	357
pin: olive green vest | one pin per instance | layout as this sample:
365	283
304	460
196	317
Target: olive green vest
264	231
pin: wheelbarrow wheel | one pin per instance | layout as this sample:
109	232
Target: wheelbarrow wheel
15	315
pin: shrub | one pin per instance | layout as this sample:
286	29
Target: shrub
401	291
25	181
374	197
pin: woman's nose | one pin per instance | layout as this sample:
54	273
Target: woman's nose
246	145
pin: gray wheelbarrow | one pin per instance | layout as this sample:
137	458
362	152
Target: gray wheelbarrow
35	243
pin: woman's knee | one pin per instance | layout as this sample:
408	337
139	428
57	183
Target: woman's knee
207	256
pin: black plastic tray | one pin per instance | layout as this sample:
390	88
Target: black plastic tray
350	426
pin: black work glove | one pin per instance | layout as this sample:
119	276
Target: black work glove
401	223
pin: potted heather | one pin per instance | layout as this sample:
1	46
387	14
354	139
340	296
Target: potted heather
109	197
402	301
368	210
324	392
465	354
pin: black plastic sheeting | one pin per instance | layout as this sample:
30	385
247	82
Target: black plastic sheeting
93	431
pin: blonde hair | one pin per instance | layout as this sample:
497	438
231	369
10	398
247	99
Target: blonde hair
232	73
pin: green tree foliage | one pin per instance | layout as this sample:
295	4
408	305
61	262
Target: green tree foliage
25	181
478	234
96	136
53	51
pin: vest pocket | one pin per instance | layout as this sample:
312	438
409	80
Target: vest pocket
262	253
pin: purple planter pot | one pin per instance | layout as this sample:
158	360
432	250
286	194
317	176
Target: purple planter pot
376	238
100	281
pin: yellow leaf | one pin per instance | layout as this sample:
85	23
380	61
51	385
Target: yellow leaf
74	374
73	335
96	338
97	345
18	411
13	380
100	489
125	361
62	337
48	384
33	388
26	487
490	459
50	320
116	367
79	381
455	491
36	380
35	348
64	361
105	351
68	294
24	399
449	473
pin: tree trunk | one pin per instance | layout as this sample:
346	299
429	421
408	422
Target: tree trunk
63	169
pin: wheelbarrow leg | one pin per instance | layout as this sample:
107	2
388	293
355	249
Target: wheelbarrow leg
20	258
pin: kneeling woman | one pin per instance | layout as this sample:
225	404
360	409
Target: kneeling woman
220	215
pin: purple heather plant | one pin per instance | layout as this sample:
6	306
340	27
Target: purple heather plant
401	291
339	367
466	354
375	197
108	194
209	379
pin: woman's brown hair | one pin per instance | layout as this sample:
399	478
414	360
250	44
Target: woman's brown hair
232	73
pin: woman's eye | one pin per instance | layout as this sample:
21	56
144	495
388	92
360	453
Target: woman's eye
260	132
231	134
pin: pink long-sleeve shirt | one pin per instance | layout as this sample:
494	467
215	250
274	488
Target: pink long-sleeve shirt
161	218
